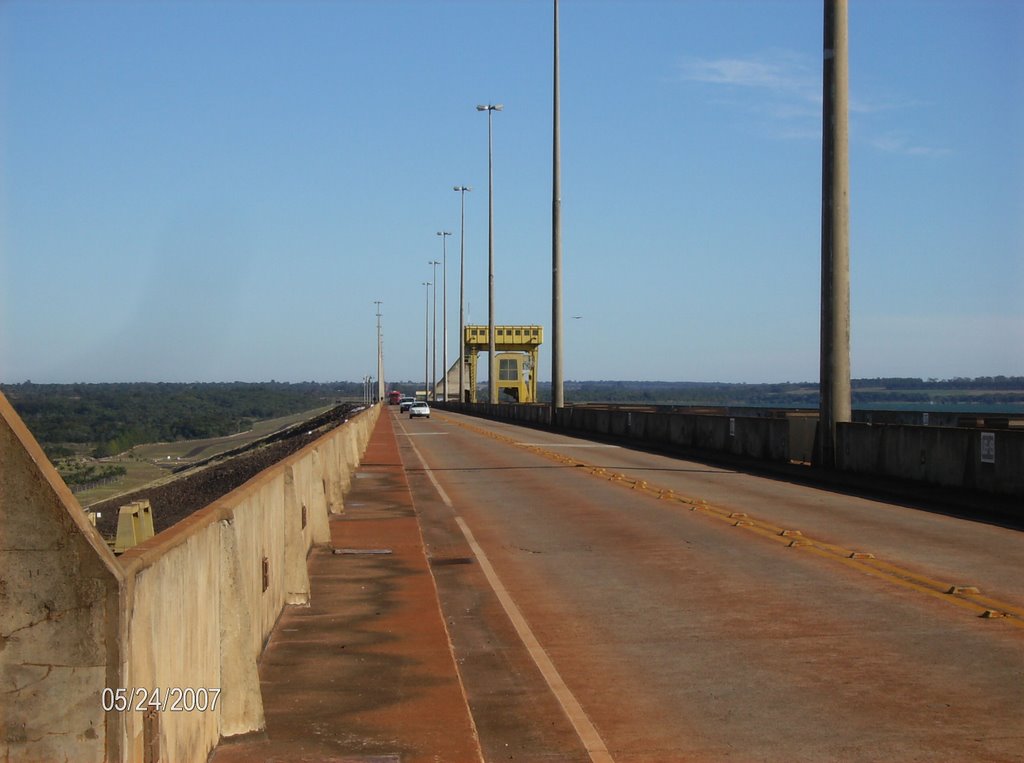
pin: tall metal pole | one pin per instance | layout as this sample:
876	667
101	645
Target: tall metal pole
492	381
462	284
835	235
380	356
557	396
444	312
426	340
433	344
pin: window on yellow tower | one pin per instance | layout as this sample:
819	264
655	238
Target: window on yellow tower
508	369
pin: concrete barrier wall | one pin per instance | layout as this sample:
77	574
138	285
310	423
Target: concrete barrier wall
205	594
934	455
60	613
762	438
929	454
190	609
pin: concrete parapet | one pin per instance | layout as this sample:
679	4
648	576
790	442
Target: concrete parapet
60	613
987	461
185	613
765	439
229	570
755	437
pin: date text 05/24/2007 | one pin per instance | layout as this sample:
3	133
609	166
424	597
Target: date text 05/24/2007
173	699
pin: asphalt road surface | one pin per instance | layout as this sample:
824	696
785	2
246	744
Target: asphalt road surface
612	605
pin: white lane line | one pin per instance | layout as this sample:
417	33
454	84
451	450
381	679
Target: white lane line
421	434
591	739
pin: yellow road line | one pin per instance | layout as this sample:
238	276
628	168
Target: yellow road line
858	559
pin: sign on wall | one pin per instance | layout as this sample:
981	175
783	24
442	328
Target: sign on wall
988	447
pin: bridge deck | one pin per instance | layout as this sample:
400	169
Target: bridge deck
365	673
606	604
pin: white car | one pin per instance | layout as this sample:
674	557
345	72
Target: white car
419	409
405	403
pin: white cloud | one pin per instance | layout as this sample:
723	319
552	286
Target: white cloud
781	89
788	99
778	71
899	143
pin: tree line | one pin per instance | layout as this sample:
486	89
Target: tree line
114	417
993	383
111	418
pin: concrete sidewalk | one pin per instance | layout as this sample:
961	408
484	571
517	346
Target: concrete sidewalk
365	673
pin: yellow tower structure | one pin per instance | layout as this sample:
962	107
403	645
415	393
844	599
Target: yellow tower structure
516	349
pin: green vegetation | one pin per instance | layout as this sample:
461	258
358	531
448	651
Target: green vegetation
112	418
986	390
80	472
72	420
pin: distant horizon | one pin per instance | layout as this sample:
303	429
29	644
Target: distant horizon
540	383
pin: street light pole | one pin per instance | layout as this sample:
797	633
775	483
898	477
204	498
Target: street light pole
444	311
380	356
834	379
557	396
426	339
433	344
461	189
492	381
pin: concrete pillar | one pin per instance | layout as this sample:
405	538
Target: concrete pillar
296	575
835	235
317	516
241	703
335	490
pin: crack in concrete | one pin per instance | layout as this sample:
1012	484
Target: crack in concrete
52	614
16	690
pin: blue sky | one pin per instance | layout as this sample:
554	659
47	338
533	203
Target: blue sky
211	191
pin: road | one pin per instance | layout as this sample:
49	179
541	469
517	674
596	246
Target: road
608	604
